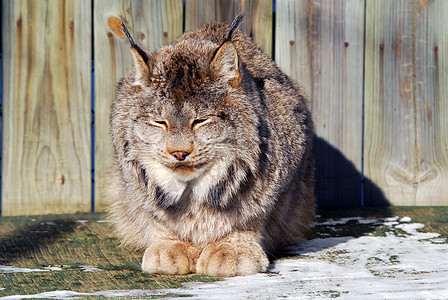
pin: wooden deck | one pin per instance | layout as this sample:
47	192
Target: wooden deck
78	253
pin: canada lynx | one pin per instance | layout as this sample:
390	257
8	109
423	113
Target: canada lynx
214	167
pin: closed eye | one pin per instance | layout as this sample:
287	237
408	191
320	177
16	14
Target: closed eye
160	123
199	122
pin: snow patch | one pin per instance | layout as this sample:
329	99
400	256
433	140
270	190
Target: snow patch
405	220
53	268
82	221
91	269
11	269
48	223
342	221
76	295
412	230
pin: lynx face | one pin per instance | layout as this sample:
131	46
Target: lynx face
184	139
188	126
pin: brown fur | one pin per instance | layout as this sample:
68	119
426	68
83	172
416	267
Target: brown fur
246	187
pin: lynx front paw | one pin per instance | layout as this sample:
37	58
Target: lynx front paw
225	259
170	257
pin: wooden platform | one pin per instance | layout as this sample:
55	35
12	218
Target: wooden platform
78	253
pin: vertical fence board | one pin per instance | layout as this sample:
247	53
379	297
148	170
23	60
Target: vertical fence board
46	100
406	115
432	103
152	23
390	132
257	22
320	44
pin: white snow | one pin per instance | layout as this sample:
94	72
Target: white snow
405	220
11	269
90	269
341	221
412	228
47	223
82	221
52	268
395	266
76	295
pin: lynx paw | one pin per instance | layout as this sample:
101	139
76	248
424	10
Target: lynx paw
170	257
232	259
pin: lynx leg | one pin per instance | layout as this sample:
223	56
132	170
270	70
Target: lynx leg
238	254
170	257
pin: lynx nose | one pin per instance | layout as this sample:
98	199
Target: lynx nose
180	155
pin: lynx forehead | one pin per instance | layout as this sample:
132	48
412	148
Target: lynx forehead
213	143
182	68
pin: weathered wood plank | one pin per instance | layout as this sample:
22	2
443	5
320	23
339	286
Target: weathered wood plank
320	44
46	101
389	101
432	103
405	115
152	23
257	22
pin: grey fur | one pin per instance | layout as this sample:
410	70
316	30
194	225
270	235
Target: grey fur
246	187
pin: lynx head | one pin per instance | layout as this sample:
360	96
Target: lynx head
189	108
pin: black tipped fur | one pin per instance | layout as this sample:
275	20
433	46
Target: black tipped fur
128	35
142	53
235	24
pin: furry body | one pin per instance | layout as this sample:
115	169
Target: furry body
214	167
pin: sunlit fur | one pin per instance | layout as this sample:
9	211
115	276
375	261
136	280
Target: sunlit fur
246	188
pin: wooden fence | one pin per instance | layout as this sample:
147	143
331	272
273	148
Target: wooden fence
376	71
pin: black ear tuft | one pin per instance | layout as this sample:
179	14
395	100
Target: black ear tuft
128	35
235	24
142	62
134	46
225	62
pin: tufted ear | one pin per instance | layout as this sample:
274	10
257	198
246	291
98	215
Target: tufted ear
225	59
225	64
142	61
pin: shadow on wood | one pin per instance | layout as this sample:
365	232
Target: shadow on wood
338	182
